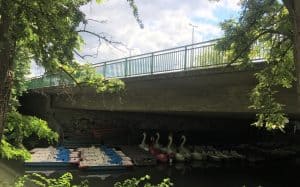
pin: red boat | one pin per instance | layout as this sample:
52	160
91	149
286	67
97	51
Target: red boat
158	154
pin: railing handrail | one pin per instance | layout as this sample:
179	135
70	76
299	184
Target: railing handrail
158	51
140	55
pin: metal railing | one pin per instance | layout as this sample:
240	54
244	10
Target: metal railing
200	55
169	60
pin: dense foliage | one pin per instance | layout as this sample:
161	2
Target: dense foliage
143	181
39	180
66	181
19	127
86	75
44	32
263	25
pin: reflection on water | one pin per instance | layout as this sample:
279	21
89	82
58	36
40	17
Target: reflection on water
102	177
195	174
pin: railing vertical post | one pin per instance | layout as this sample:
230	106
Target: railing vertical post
192	57
151	63
125	67
185	57
104	69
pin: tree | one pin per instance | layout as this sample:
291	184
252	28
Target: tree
275	26
44	32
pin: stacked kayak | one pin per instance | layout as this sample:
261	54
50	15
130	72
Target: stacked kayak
53	157
91	156
95	158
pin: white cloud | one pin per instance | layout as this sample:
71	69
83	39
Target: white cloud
166	25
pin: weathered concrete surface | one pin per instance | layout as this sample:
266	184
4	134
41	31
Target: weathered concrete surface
207	105
199	129
216	91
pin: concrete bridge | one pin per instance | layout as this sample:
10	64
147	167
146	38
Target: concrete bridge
188	79
191	80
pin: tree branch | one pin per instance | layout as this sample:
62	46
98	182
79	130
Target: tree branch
70	75
100	37
84	56
102	21
246	48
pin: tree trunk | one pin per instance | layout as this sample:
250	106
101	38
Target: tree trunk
7	48
297	43
293	7
5	89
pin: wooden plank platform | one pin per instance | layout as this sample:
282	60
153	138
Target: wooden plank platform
139	156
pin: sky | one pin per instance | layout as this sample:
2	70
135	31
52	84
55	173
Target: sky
166	25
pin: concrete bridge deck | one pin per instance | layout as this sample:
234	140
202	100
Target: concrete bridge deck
220	90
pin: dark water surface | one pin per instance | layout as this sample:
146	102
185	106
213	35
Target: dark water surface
195	174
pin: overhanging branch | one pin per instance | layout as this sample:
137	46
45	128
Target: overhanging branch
70	75
248	46
101	37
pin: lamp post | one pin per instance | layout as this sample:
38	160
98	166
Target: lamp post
128	63
130	49
193	38
193	31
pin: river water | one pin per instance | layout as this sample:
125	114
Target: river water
196	174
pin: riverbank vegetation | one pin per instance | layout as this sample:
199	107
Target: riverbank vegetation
66	181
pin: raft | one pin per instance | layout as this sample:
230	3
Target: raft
83	158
